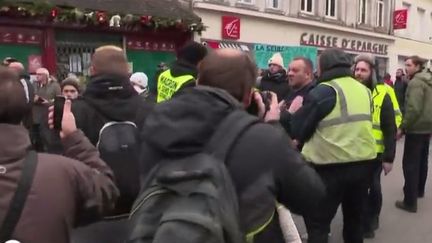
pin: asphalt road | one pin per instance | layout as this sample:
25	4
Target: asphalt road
396	226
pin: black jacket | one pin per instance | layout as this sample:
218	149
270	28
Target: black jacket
28	119
263	166
108	98
181	68
400	87
285	119
389	129
276	83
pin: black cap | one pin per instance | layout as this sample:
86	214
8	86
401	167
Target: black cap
192	53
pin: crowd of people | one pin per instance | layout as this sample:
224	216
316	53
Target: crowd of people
218	153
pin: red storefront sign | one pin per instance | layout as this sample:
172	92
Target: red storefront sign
20	36
400	19
231	27
148	45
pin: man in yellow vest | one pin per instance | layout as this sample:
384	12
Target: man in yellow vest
384	130
335	125
183	71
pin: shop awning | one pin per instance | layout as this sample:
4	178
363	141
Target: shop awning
172	9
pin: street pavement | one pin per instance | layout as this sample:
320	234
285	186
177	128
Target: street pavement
396	226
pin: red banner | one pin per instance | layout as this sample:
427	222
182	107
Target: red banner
400	19
148	45
231	27
20	36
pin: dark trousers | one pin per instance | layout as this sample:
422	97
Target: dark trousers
36	138
374	199
415	166
347	184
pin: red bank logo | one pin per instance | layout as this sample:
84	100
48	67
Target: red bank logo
400	19
230	27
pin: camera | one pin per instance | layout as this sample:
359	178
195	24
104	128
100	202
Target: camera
267	99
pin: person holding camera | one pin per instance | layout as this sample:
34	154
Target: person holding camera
263	166
44	196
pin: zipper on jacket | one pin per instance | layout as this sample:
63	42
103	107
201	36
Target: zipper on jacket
150	195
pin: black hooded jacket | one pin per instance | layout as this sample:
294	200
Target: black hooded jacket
108	98
276	83
263	166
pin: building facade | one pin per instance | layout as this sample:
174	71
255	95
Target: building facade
357	26
62	35
416	38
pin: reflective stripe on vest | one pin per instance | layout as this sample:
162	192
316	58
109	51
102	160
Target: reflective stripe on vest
344	117
167	85
396	107
251	235
345	135
379	93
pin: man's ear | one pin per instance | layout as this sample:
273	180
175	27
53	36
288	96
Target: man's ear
92	71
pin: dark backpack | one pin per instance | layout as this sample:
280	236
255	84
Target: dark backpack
119	147
193	199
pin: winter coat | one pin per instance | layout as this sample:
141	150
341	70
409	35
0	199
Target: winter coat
400	87
418	104
263	166
108	98
64	193
48	92
276	83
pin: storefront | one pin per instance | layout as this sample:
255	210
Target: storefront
63	37
274	31
404	48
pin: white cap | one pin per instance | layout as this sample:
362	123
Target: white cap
139	79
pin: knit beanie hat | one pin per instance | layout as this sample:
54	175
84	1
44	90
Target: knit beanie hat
276	59
370	59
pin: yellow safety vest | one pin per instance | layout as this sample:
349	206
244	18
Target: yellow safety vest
396	107
378	95
167	85
345	135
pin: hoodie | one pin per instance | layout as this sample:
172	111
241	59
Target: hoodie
108	98
262	172
418	109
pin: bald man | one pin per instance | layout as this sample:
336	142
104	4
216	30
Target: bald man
109	97
263	166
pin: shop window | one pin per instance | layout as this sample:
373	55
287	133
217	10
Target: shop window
274	4
307	6
246	1
331	8
363	12
380	13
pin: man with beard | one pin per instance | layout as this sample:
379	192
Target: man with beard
275	78
384	130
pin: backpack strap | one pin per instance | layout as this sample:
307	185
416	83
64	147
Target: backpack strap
227	133
20	197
